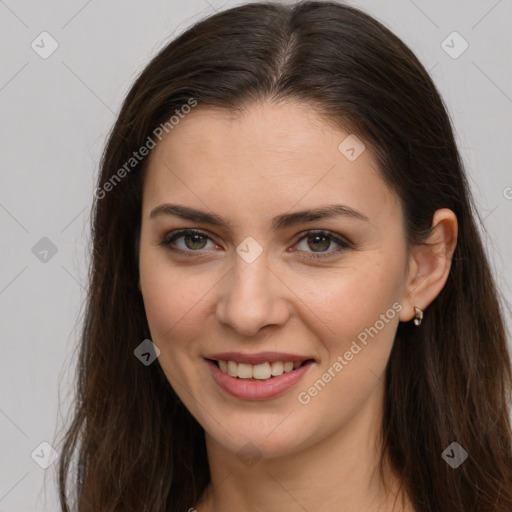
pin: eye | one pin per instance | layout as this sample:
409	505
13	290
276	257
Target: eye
190	241
320	242
185	240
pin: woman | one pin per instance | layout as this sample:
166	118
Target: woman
290	307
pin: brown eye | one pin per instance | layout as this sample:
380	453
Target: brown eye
320	242
186	241
317	244
194	241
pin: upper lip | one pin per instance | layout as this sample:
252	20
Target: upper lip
257	358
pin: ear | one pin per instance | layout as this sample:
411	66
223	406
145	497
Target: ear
429	264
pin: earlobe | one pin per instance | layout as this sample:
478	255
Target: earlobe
430	264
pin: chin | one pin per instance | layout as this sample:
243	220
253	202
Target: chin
259	436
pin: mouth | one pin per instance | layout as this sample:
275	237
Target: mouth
262	371
268	376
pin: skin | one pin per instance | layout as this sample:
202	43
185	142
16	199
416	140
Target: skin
276	159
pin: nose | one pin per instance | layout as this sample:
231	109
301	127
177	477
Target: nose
252	297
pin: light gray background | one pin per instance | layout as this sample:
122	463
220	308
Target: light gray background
56	113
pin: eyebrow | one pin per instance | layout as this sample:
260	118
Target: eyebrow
280	222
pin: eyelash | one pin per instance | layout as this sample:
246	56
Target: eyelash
168	239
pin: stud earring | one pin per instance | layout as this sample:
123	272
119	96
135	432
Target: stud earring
418	315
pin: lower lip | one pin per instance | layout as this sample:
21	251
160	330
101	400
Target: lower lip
248	389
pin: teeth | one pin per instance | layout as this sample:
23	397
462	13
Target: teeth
244	371
288	366
276	368
232	368
261	371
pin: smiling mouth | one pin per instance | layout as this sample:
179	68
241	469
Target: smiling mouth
263	371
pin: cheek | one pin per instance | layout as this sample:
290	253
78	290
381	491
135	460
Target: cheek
160	300
165	295
172	302
176	300
360	321
355	314
351	299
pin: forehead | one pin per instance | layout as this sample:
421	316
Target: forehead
264	130
270	156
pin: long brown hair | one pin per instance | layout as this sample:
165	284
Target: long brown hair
131	444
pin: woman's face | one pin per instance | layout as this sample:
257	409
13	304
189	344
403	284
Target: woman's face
259	284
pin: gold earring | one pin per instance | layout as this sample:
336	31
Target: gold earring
418	315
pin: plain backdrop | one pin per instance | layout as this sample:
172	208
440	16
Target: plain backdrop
56	112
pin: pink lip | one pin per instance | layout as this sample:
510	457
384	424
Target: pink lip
259	358
252	389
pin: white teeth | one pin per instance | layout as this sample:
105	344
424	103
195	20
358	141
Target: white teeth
232	368
261	371
244	371
276	368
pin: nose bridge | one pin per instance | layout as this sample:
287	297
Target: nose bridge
251	298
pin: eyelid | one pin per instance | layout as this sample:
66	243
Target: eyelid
343	242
